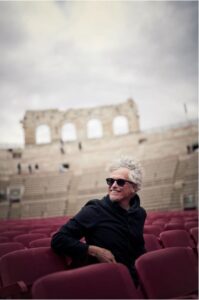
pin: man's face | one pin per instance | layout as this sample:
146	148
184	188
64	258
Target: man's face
121	193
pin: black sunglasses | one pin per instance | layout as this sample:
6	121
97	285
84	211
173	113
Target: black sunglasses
120	182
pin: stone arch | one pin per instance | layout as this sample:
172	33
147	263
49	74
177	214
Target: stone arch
120	125
94	129
43	134
68	132
79	117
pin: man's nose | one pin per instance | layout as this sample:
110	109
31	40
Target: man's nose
114	184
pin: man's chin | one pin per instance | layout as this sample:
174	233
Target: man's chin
114	198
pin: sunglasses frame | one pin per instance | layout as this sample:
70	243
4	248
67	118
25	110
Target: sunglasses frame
121	180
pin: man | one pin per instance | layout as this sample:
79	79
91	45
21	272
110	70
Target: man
112	227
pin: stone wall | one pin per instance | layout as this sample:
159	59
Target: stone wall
171	171
56	119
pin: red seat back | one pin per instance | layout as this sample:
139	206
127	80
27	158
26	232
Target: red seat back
151	242
189	225
153	229
4	239
46	231
45	242
11	234
25	239
10	247
98	281
28	265
176	238
171	226
168	273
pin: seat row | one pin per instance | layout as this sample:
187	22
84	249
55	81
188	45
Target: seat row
170	238
165	219
158	228
40	274
166	216
25	238
164	274
43	232
28	225
173	224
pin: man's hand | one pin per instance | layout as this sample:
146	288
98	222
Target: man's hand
102	254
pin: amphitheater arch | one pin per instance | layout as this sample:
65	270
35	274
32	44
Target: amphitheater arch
94	129
68	132
43	134
120	125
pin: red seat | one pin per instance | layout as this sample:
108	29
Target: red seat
98	281
168	273
176	220
176	238
151	242
45	242
153	229
25	239
189	225
4	239
25	266
11	234
171	226
191	219
46	231
159	223
10	247
162	220
24	228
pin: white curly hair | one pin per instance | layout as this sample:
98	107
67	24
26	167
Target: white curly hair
135	169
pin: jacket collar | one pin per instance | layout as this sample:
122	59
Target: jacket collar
134	204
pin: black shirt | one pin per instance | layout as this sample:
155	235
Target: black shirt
105	224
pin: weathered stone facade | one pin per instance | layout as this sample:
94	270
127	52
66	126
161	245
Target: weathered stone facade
168	155
56	119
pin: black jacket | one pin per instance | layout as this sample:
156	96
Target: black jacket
105	224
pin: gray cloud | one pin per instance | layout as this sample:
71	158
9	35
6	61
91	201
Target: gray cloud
74	54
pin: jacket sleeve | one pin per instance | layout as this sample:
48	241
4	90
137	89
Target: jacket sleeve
67	240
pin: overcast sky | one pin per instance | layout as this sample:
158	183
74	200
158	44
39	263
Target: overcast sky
70	54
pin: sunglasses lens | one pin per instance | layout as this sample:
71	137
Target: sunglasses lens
110	181
121	182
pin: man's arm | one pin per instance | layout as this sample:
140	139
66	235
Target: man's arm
67	240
